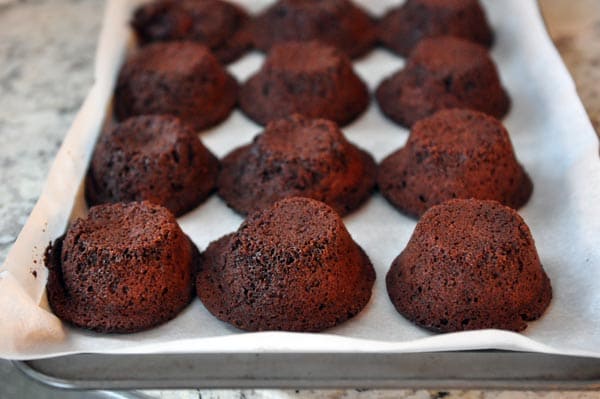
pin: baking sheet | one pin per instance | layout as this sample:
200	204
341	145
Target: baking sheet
424	370
553	139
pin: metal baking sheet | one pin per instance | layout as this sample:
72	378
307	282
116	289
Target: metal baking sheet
468	369
440	370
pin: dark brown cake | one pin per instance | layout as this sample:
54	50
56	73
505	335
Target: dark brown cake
297	156
339	23
404	26
221	26
291	267
155	158
124	268
456	153
469	264
179	78
308	78
443	72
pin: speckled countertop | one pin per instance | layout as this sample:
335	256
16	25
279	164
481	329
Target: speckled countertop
46	57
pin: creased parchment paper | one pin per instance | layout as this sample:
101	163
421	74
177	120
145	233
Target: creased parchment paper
552	136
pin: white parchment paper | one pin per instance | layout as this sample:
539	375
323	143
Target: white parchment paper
552	136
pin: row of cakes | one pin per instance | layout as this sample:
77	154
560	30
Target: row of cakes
229	31
311	78
471	262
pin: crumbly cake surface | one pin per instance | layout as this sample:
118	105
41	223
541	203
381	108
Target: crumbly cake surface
456	153
292	266
183	79
125	268
221	26
297	156
404	26
339	23
153	157
470	264
443	72
307	78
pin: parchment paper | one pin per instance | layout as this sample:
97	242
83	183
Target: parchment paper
552	136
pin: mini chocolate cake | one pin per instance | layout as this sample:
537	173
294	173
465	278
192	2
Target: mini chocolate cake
308	78
179	78
292	266
124	268
404	26
297	156
470	264
221	26
339	23
443	72
456	153
156	158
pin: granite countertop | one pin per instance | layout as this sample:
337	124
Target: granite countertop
46	57
575	29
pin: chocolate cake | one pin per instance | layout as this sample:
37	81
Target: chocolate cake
404	26
178	78
308	78
221	26
456	153
470	264
297	156
339	23
443	72
156	158
292	266
124	268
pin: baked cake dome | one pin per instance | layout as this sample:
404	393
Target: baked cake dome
443	72
308	78
124	268
456	153
156	158
221	26
339	23
402	27
297	156
292	266
183	79
470	264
